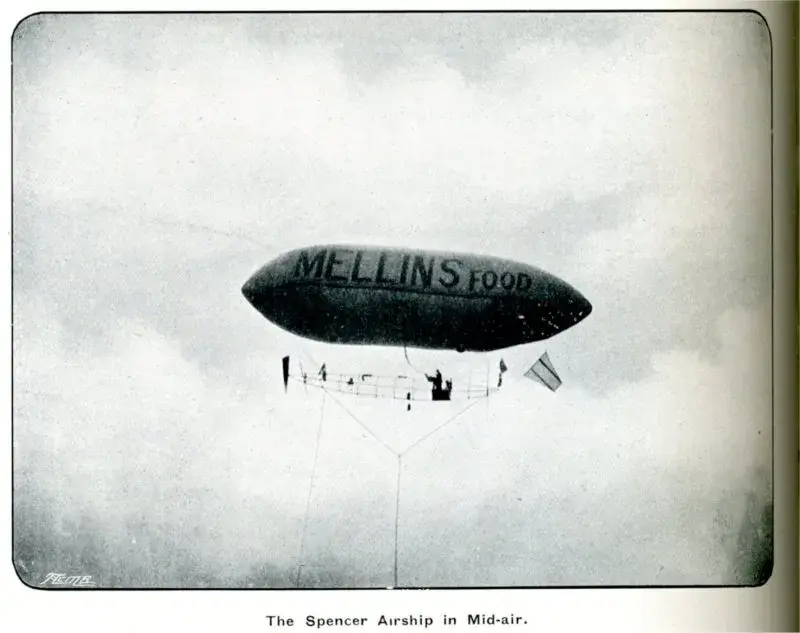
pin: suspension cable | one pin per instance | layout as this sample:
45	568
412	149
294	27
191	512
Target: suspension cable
310	489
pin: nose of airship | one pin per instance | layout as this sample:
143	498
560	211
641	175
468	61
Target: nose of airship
258	290
250	289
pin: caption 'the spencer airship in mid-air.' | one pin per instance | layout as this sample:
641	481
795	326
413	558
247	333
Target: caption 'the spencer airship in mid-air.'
366	295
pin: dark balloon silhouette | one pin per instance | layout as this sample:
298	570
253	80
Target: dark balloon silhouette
413	298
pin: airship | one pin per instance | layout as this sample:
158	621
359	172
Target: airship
367	295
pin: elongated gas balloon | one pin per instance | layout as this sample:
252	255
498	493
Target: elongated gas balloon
402	297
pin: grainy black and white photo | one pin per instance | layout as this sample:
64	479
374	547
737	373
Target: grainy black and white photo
412	300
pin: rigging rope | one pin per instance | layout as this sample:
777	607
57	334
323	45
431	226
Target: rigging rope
399	472
361	424
441	426
380	441
397	515
405	352
310	489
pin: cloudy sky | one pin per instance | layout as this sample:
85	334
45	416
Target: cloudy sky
160	160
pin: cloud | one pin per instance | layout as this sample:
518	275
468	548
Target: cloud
141	450
594	164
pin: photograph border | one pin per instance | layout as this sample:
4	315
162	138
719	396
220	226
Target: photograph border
783	238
